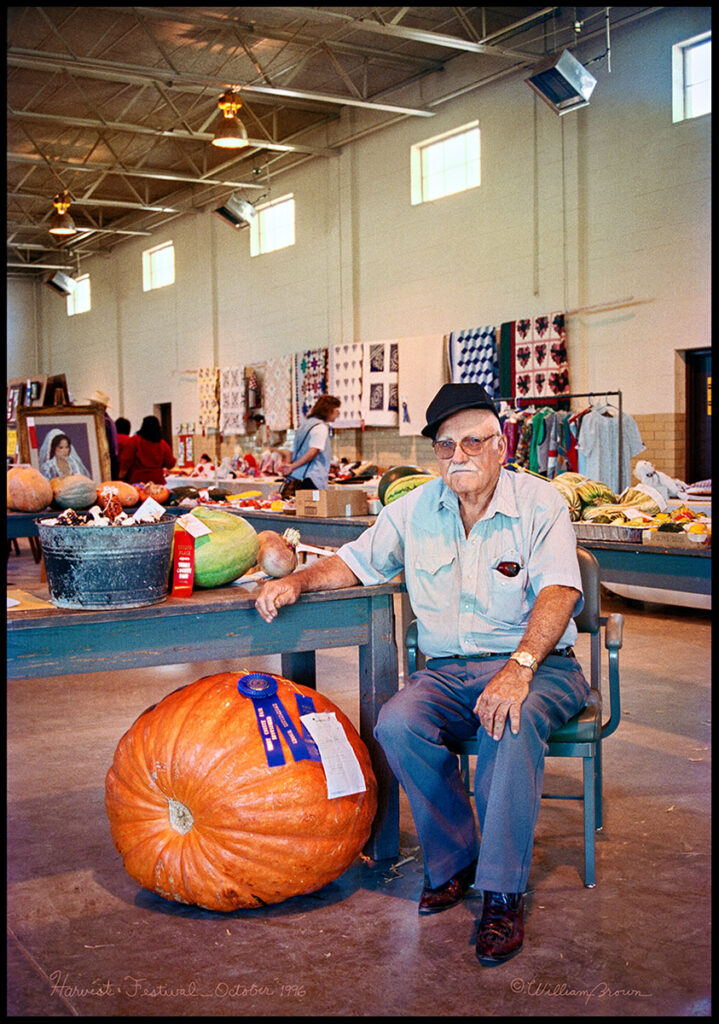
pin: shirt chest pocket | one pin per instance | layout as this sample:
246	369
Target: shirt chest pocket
507	590
435	581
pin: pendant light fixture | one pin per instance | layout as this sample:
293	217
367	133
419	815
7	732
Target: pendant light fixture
62	223
231	133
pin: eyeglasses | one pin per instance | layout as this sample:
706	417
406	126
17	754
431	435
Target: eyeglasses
469	445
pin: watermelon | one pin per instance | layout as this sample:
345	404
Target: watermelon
228	552
403	485
394	474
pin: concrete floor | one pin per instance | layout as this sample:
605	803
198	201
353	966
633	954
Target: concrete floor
84	940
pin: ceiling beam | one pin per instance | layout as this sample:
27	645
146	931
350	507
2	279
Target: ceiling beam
132	172
174	133
80	201
118	72
367	24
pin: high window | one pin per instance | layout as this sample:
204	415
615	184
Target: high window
158	266
691	77
78	301
273	227
445	164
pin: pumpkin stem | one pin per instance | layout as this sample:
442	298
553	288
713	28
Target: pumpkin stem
180	817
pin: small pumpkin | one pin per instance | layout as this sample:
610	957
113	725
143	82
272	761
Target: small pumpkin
74	491
152	490
198	816
27	489
128	495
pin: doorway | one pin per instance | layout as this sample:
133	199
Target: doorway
699	411
163	411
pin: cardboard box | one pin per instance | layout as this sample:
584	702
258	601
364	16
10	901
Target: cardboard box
338	502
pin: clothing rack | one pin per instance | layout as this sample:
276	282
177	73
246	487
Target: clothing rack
515	400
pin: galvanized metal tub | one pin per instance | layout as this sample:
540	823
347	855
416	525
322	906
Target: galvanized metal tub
100	567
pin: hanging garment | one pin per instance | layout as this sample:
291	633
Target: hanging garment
208	379
536	350
345	383
232	400
277	397
473	358
380	399
598	442
310	381
422	372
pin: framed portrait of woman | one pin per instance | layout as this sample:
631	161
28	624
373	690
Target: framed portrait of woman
61	440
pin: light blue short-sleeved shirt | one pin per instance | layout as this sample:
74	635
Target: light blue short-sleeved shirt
464	603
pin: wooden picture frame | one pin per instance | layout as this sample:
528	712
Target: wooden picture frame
84	448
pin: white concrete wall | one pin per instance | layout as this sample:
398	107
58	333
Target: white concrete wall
605	204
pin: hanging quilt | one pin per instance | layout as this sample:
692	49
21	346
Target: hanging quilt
232	400
310	381
380	400
533	353
207	385
422	371
473	358
345	383
277	393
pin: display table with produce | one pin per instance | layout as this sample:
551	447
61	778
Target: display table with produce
219	624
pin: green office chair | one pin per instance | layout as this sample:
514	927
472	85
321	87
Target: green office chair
582	735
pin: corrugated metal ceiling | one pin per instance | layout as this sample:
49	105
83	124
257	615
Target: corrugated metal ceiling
118	105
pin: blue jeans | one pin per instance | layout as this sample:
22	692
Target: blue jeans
436	706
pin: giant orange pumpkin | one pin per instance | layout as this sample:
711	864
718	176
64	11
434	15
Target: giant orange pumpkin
199	816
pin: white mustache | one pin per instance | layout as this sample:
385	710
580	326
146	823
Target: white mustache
455	468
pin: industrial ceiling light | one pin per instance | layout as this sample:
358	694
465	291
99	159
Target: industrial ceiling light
231	133
563	83
62	223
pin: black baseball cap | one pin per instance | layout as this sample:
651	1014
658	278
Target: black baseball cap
452	398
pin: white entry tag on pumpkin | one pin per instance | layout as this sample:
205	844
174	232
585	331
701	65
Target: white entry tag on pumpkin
342	769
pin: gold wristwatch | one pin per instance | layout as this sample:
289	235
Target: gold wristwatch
525	659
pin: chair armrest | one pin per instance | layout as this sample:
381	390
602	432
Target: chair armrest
613	635
614	626
410	642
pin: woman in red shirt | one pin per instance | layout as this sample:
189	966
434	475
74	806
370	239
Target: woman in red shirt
146	455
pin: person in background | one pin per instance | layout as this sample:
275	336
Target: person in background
122	426
100	398
491	569
146	455
312	451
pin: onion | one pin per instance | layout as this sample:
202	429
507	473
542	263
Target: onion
277	556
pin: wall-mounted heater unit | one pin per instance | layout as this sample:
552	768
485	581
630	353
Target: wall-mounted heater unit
236	212
563	83
61	283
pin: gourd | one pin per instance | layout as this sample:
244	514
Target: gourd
153	490
27	489
405	484
127	495
277	556
227	552
392	474
594	492
199	817
73	491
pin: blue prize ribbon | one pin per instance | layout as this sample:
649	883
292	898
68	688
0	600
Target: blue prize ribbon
306	706
272	719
